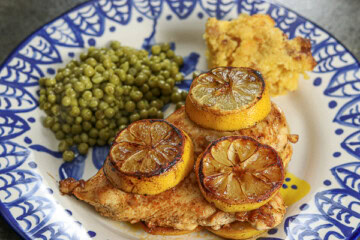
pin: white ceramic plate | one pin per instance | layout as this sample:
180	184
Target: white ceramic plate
325	111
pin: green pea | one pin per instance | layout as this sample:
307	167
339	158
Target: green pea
157	103
130	106
156	67
141	105
119	91
109	112
69	120
55	127
134	117
69	141
121	73
148	95
93	133
66	128
93	103
129	79
76	129
103	105
104	134
66	101
123	121
155	92
152	112
162	56
60	135
63	146
91	61
140	79
144	114
125	66
83	148
179	77
99	124
75	111
84	137
97	79
114	79
92	141
115	45
155	50
89	71
170	53
179	60
50	82
79	86
165	73
127	90
86	114
55	109
98	93
165	47
184	95
68	156
176	97
48	122
136	96
83	103
51	98
109	88
145	88
77	139
159	114
107	63
109	99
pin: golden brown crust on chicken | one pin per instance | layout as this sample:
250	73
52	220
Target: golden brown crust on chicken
183	207
273	131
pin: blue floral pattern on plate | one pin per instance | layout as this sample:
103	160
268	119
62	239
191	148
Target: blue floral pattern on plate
29	205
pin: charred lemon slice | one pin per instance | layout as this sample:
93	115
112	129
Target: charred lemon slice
149	157
167	231
237	230
228	99
237	173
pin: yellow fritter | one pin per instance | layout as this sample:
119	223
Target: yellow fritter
255	42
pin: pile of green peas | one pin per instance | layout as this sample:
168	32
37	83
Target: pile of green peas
90	100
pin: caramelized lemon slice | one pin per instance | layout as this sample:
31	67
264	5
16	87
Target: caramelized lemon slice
228	99
149	157
237	230
167	231
237	173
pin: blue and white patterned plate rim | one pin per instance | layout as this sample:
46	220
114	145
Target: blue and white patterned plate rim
354	100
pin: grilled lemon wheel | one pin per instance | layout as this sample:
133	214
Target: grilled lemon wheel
228	99
237	230
168	231
149	157
237	173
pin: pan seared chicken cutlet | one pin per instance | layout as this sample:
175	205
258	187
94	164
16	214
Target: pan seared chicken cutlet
272	131
183	207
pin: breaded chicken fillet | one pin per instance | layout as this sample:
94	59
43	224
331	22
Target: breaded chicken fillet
183	207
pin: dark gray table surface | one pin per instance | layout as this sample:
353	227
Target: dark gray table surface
19	18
